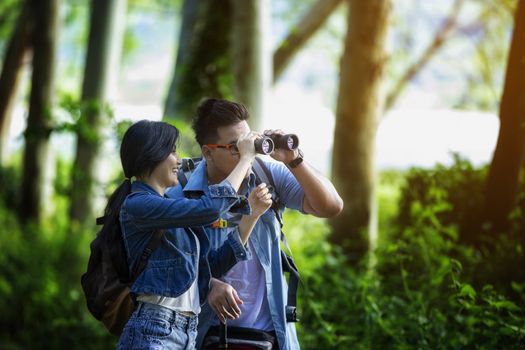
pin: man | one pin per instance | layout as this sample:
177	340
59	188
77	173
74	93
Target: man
253	294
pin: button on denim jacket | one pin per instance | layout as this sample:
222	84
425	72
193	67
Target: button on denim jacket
172	267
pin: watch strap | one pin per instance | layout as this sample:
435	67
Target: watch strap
294	163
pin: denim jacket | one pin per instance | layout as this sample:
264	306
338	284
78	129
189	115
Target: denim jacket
171	269
265	240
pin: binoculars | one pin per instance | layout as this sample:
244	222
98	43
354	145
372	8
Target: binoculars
267	144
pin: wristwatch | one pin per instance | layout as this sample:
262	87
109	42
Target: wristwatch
297	160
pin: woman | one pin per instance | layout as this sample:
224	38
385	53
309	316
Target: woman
175	281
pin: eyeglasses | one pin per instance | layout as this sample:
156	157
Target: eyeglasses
232	147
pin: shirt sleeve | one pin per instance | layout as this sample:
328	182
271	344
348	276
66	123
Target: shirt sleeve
290	191
149	211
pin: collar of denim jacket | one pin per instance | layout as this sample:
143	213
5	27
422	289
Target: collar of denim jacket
198	181
138	186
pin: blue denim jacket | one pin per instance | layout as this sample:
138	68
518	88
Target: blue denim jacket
172	267
265	240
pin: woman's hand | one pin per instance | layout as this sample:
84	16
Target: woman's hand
246	145
260	200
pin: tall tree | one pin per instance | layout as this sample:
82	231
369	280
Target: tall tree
507	162
251	64
39	119
203	65
188	31
105	40
17	49
359	105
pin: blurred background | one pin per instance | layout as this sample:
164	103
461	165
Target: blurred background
414	109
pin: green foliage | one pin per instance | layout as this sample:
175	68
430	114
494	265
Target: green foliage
426	289
186	144
8	191
490	35
41	301
454	193
206	70
9	11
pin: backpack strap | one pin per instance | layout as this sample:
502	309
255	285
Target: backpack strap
294	279
263	174
188	165
150	248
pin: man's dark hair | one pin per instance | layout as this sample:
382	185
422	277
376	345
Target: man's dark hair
213	114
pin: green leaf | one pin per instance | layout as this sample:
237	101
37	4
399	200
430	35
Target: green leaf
467	291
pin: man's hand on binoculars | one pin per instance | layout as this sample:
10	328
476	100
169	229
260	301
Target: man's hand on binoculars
281	154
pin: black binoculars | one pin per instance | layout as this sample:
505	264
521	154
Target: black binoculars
264	145
288	141
267	144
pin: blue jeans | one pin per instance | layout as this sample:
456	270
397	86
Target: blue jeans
156	327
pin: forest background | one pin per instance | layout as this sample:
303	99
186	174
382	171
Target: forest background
414	109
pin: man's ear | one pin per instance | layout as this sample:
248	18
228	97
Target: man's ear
206	153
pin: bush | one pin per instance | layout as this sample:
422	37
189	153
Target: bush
427	289
41	300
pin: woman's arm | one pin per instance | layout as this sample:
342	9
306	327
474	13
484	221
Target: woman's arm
260	200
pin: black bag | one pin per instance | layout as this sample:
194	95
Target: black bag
238	338
107	281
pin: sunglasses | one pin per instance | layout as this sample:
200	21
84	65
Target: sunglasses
232	147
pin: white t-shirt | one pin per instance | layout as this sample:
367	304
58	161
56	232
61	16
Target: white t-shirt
188	302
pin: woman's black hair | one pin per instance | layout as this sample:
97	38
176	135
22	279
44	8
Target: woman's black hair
145	145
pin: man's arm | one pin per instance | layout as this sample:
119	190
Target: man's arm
320	196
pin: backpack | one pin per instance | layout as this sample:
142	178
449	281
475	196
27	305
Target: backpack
262	174
107	281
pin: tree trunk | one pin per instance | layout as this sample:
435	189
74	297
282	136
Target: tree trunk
251	64
17	48
203	67
102	53
504	173
188	30
359	107
298	35
39	118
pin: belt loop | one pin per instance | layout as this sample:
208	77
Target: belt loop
139	306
